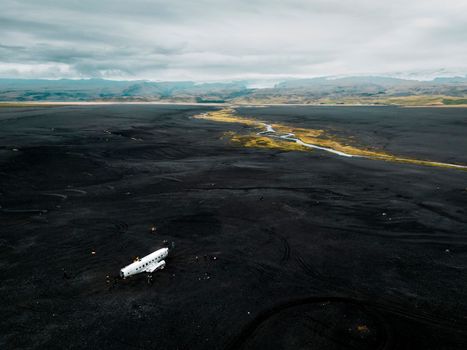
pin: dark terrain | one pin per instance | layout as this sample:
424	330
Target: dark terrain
273	250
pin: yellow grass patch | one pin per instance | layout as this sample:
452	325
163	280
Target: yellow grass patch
256	141
227	115
311	136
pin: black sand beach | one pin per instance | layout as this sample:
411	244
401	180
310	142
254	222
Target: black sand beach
273	249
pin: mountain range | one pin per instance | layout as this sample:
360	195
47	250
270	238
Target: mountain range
323	90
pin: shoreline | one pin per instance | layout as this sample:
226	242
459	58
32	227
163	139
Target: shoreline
98	103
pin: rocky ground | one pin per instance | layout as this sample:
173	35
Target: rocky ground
273	249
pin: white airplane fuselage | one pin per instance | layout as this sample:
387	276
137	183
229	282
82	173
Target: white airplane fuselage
150	263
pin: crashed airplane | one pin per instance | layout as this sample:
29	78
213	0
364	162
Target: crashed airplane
150	263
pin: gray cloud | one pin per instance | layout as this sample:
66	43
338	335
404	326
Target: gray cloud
213	40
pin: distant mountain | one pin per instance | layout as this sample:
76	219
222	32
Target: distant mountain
323	90
347	81
453	80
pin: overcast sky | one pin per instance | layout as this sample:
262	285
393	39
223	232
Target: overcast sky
231	39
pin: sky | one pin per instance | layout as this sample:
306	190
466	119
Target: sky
207	40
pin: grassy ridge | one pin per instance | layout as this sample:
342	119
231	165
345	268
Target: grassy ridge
409	101
458	101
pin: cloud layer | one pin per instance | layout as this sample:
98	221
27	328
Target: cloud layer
221	40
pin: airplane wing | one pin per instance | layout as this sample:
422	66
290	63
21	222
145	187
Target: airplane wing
156	266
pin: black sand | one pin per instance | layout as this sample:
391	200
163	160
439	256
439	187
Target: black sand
274	250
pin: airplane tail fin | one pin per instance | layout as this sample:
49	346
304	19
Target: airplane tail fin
170	245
